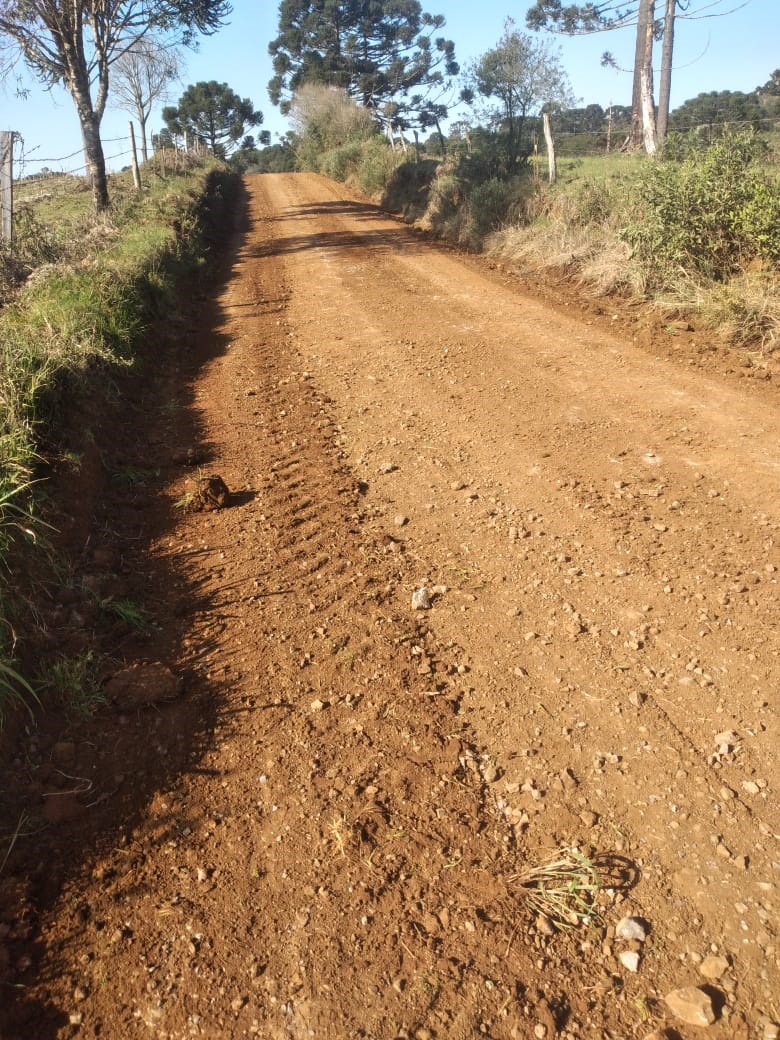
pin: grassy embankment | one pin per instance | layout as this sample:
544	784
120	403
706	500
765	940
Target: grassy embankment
78	292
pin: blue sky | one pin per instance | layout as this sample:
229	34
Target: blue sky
735	52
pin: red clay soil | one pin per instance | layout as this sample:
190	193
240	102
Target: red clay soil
311	806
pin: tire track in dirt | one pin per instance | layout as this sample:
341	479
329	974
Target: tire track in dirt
336	858
637	652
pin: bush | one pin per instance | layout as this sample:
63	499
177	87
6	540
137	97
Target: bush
490	205
708	215
377	165
341	163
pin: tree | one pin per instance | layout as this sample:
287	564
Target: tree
212	113
708	114
326	118
143	75
523	74
384	53
577	19
606	15
76	42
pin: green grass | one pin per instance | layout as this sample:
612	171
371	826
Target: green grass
127	611
78	293
74	683
15	692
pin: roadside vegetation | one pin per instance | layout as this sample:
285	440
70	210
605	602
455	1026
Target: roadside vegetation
693	232
78	294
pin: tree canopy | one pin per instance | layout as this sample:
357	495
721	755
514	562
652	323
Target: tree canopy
75	43
385	53
141	76
522	74
715	109
212	113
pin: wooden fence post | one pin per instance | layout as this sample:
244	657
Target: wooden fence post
134	159
550	147
6	184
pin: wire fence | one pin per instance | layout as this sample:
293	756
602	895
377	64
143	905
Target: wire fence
38	177
41	178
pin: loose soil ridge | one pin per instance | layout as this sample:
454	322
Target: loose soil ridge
321	834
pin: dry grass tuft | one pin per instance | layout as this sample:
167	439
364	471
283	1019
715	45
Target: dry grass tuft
564	888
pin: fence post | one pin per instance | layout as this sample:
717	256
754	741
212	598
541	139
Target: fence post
6	184
134	160
550	147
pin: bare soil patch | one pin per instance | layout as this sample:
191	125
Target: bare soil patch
320	821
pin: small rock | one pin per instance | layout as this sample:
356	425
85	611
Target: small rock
63	754
713	967
769	1030
75	1018
388	467
692	1005
316	705
630	960
726	740
143	684
79	994
568	779
540	1031
544	925
589	819
61	806
421	599
631	929
238	1003
401	520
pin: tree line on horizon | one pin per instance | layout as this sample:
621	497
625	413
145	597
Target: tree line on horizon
389	57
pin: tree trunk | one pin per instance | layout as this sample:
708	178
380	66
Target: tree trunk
645	20
142	128
665	86
95	159
648	112
442	140
648	104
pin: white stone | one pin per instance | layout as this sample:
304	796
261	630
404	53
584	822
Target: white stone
631	929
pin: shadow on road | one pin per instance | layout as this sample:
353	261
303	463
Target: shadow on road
75	789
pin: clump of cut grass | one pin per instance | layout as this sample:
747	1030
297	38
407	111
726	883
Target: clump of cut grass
127	611
75	682
564	888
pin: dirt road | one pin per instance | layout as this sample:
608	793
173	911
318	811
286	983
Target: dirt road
325	833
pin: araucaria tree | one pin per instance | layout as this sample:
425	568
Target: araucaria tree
386	54
76	42
520	75
214	114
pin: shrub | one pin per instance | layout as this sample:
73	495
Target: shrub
377	164
490	205
708	215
